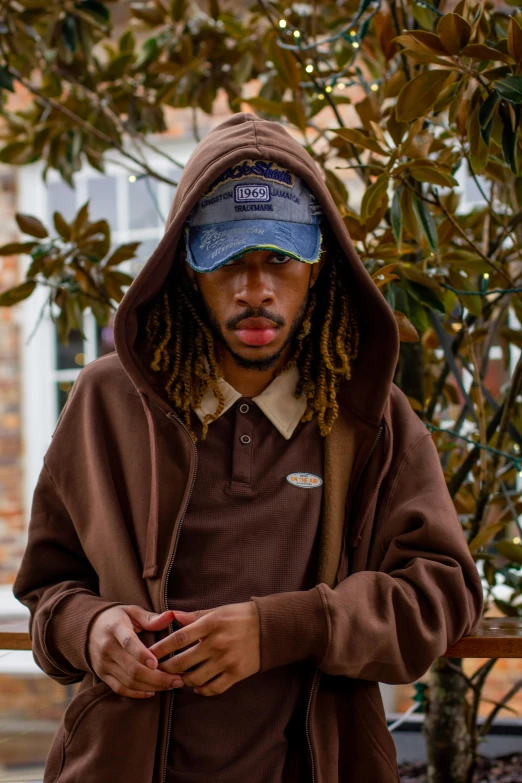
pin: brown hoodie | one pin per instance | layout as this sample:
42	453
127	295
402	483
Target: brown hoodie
396	584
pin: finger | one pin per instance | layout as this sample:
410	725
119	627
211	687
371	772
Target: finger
130	643
219	685
182	637
162	683
121	690
184	661
151	621
156	679
203	673
185	618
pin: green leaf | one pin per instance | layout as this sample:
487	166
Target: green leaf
31	225
426	222
17	294
396	217
70	33
486	113
510	550
479	150
375	195
436	176
96	9
425	296
509	138
6	80
127	41
264	106
510	88
16	152
419	94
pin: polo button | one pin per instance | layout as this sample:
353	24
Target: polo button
244	408
245	438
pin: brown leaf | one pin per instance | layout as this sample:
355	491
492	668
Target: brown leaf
31	225
454	32
360	140
17	293
407	331
483	52
419	94
514	40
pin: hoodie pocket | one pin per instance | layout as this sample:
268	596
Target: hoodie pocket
80	706
371	713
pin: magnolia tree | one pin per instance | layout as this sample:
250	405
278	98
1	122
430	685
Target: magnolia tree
435	91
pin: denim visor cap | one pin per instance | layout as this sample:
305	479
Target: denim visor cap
253	205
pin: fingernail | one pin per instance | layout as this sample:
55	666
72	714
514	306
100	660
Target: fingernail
150	663
151	694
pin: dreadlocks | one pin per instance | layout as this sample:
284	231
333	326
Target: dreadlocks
180	338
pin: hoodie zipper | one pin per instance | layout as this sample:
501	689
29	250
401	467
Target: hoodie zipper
381	427
172	415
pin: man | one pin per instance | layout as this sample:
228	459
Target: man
239	510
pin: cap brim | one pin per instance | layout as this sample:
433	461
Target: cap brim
210	246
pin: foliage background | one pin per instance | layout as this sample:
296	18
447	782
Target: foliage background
413	97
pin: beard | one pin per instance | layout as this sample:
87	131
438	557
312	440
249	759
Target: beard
255	364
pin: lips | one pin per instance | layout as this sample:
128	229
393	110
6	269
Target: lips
256	331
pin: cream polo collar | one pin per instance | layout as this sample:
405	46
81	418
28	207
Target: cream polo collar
277	401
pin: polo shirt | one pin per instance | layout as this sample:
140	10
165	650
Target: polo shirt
250	528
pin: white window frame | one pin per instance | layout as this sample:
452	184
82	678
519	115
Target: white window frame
39	375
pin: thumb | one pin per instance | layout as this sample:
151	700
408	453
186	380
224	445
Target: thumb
149	621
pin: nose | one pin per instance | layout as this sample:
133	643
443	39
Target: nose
254	289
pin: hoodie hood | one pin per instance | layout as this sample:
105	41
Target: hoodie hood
241	136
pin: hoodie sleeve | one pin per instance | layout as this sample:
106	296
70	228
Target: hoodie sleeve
58	585
387	625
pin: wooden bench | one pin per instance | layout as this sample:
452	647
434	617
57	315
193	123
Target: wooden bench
497	637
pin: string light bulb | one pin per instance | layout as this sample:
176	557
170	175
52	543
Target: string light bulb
132	178
321	96
309	68
328	88
374	86
486	275
341	85
297	34
355	45
282	23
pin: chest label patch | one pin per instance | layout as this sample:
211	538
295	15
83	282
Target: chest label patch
305	480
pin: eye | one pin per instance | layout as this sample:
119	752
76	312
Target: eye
280	258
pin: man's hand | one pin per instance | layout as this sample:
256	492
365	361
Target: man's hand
228	650
120	659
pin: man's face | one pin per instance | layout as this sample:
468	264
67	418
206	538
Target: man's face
265	287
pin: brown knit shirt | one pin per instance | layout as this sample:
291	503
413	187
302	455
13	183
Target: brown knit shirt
248	530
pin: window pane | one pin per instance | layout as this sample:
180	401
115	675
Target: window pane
102	200
70	356
144	211
64	387
105	337
61	198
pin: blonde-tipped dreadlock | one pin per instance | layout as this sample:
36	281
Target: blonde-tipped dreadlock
327	345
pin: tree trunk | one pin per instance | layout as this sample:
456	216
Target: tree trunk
446	730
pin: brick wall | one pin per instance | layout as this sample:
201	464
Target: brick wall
12	521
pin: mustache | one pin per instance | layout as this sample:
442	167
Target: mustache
261	312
